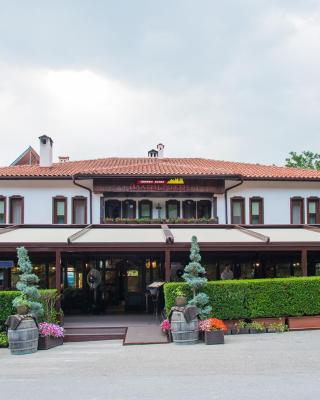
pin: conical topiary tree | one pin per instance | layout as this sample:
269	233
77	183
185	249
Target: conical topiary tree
194	276
27	284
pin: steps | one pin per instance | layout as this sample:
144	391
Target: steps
85	334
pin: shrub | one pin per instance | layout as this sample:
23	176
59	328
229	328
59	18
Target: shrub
6	307
277	297
3	340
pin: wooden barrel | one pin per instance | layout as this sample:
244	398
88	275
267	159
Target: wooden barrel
184	332
24	339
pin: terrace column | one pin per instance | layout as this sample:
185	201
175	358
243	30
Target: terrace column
167	265
304	262
58	275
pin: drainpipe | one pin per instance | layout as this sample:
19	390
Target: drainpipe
90	194
226	196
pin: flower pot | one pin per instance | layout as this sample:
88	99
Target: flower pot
243	330
181	301
22	310
48	342
214	337
257	331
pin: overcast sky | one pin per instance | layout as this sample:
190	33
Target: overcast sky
235	80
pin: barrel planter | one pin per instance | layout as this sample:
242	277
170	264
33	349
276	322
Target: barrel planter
214	337
48	342
24	339
184	332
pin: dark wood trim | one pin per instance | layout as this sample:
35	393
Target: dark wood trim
129	201
184	206
241	200
261	209
145	201
167	265
317	200
4	198
301	200
85	200
58	276
55	199
11	199
173	202
304	262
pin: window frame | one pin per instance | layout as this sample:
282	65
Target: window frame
311	200
212	205
301	200
11	199
85	201
243	209
145	201
173	202
129	201
4	199
261	209
184	204
54	209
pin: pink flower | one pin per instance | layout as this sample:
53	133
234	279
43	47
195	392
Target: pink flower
165	325
47	329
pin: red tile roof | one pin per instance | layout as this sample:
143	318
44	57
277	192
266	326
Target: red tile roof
159	167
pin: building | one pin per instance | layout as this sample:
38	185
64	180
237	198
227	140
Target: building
132	219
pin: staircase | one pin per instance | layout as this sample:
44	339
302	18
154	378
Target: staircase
85	334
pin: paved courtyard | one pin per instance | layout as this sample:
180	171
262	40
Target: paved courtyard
270	366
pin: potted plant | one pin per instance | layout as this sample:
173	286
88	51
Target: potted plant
242	327
277	327
256	327
50	335
213	329
181	299
22	304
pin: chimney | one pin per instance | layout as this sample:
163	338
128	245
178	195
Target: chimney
63	159
160	148
45	151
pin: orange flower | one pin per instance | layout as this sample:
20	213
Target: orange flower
218	324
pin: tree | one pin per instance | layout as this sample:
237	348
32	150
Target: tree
27	284
307	159
194	276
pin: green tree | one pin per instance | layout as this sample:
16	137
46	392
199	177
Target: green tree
27	284
194	276
307	159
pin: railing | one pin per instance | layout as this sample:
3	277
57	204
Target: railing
161	221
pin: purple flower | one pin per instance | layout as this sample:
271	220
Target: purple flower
47	329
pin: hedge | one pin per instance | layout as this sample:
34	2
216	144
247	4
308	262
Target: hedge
6	307
257	298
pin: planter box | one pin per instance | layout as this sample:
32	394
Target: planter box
301	323
48	342
254	331
214	337
243	331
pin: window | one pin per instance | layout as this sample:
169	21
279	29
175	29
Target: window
113	209
256	210
145	209
313	210
297	211
204	209
172	209
2	210
16	210
59	210
129	209
237	210
79	210
189	209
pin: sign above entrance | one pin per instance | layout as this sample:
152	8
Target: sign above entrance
172	181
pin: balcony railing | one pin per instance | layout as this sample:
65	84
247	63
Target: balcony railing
161	221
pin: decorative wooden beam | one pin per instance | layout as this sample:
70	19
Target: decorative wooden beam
167	234
260	236
78	234
167	265
304	262
9	228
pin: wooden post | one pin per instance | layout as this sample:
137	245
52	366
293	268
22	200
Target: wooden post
167	265
304	262
58	277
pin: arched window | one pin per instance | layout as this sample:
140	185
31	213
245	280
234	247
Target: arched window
204	209
172	209
145	209
189	209
129	209
113	209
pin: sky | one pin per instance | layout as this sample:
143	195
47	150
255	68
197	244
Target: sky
231	80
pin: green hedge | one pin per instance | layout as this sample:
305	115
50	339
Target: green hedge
6	307
257	298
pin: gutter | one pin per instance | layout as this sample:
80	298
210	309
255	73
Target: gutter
90	194
226	197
